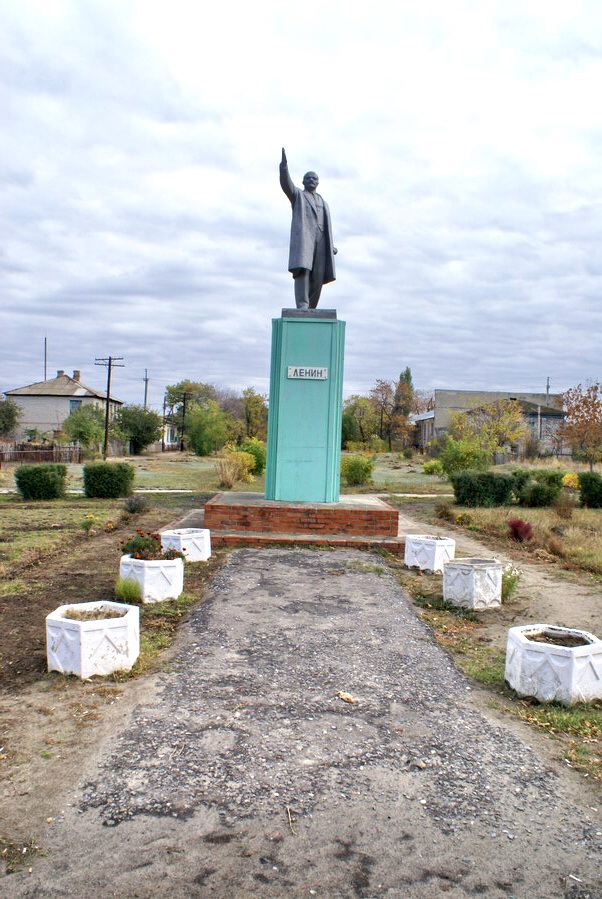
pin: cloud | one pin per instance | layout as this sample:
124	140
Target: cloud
458	147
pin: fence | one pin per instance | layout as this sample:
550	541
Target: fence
27	453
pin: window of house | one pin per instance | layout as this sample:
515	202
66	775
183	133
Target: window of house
74	405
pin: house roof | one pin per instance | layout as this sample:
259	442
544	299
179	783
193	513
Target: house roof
62	385
424	416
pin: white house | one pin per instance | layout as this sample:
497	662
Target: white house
47	404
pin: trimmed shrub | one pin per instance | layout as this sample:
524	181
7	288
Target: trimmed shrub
520	478
408	453
357	470
536	495
108	480
255	448
537	489
590	485
481	488
44	481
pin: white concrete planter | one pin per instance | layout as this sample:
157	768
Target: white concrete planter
427	552
473	583
86	648
160	579
194	543
551	672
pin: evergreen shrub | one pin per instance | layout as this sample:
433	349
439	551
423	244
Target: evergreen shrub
590	484
357	470
108	480
481	488
43	481
537	489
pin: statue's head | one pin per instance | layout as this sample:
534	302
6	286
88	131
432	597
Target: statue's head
310	181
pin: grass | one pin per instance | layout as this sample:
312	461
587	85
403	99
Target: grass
17	856
579	728
158	625
29	530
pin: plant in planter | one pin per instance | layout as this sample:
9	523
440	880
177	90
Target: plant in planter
92	638
428	552
193	543
160	573
551	663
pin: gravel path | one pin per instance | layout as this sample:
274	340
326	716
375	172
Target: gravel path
245	774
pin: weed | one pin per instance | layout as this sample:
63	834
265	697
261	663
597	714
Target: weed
128	590
366	567
17	855
510	578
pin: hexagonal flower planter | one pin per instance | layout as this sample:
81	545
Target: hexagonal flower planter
194	543
552	663
78	645
473	583
427	552
160	579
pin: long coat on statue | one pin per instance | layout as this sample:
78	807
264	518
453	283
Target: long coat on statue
304	228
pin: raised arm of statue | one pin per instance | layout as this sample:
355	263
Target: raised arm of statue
286	182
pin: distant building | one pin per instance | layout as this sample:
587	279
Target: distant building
47	404
543	414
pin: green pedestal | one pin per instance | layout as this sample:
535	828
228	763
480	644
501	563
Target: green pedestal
306	396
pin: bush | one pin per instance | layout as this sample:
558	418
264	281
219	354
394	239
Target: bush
236	466
408	452
537	489
44	481
463	455
571	480
255	448
134	505
127	589
433	467
357	470
536	495
564	506
510	578
108	480
520	530
147	546
444	512
481	488
590	484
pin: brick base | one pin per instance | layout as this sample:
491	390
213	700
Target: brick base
363	522
363	517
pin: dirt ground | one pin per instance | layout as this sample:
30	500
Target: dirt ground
546	593
54	727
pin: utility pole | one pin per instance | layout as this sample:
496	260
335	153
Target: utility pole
163	429
145	379
548	391
184	396
110	363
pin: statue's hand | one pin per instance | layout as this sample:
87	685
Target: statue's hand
284	162
334	251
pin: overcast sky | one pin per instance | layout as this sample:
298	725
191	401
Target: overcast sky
459	146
